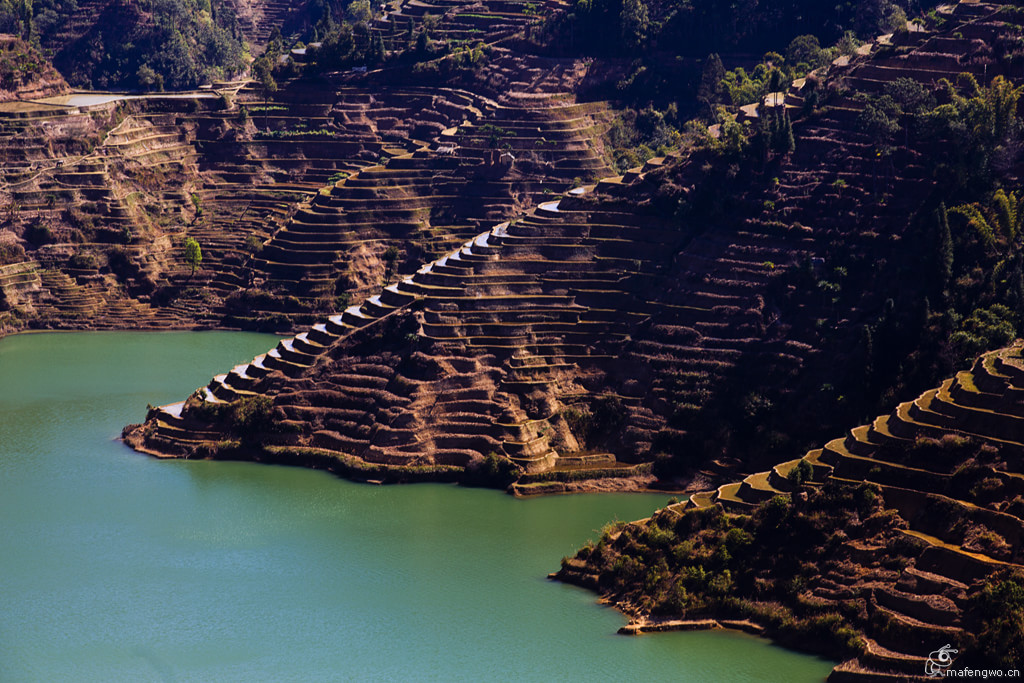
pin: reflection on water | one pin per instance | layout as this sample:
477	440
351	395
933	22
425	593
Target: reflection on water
92	99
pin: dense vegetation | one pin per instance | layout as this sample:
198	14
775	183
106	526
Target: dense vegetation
153	45
635	28
21	65
705	562
949	288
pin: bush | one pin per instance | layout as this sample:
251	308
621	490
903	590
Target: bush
802	473
251	416
39	234
253	245
11	252
82	261
998	610
494	471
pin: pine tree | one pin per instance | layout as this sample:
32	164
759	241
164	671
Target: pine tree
377	50
943	248
789	142
634	21
782	132
711	90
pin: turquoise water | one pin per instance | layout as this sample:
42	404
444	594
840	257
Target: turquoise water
118	567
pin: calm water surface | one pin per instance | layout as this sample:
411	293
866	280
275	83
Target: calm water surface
116	567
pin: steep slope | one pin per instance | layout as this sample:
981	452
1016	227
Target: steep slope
892	536
492	336
24	73
295	199
641	320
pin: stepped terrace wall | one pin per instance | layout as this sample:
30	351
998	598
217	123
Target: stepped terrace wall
893	533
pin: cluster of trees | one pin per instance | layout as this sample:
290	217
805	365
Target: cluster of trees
155	44
348	41
955	275
637	135
998	611
636	27
20	64
16	17
963	292
773	73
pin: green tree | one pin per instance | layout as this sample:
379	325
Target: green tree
390	260
634	21
711	90
799	475
423	41
879	120
24	10
910	95
193	254
986	329
783	141
805	50
263	72
148	79
999	610
776	80
360	11
978	129
197	204
998	224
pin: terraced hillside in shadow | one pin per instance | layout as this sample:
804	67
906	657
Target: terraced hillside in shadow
892	534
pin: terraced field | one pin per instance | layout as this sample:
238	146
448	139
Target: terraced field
955	536
295	197
468	289
588	299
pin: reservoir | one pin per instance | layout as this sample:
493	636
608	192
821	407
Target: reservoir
117	566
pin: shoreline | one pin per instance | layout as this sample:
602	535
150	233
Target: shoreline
644	625
639	624
360	471
636	484
129	330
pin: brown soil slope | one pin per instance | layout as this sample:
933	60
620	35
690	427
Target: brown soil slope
594	331
295	199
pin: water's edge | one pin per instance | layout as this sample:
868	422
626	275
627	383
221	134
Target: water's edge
126	567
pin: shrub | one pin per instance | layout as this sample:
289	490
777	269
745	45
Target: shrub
250	416
494	471
38	234
80	261
11	252
802	473
998	610
253	245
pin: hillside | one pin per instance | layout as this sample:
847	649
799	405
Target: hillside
605	332
904	533
546	247
118	184
24	73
